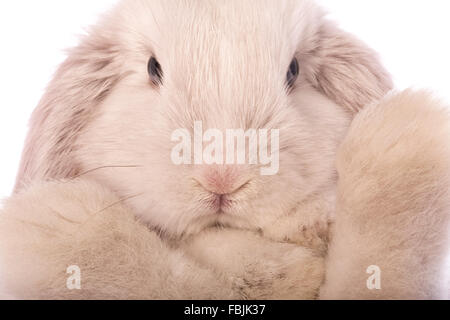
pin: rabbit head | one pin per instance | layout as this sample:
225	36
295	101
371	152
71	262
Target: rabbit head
152	68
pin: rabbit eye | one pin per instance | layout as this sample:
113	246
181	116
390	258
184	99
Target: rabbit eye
155	71
293	73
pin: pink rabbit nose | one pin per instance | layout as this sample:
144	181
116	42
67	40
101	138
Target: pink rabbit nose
222	180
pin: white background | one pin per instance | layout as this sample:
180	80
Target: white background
412	37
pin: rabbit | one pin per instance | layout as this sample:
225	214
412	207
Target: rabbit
97	187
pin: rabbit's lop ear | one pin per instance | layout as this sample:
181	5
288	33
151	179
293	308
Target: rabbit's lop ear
345	69
82	81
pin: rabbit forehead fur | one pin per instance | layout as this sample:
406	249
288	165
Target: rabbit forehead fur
225	64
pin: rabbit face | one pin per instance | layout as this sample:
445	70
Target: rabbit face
153	68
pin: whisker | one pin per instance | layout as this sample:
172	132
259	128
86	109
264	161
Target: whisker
91	217
100	168
110	206
119	202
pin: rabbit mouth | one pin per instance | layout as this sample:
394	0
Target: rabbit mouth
219	204
219	200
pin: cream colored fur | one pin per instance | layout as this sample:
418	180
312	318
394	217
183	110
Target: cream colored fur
97	187
59	224
55	225
393	206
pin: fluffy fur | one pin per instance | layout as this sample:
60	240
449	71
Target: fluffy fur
393	206
142	227
81	223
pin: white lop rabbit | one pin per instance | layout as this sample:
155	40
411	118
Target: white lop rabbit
97	187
